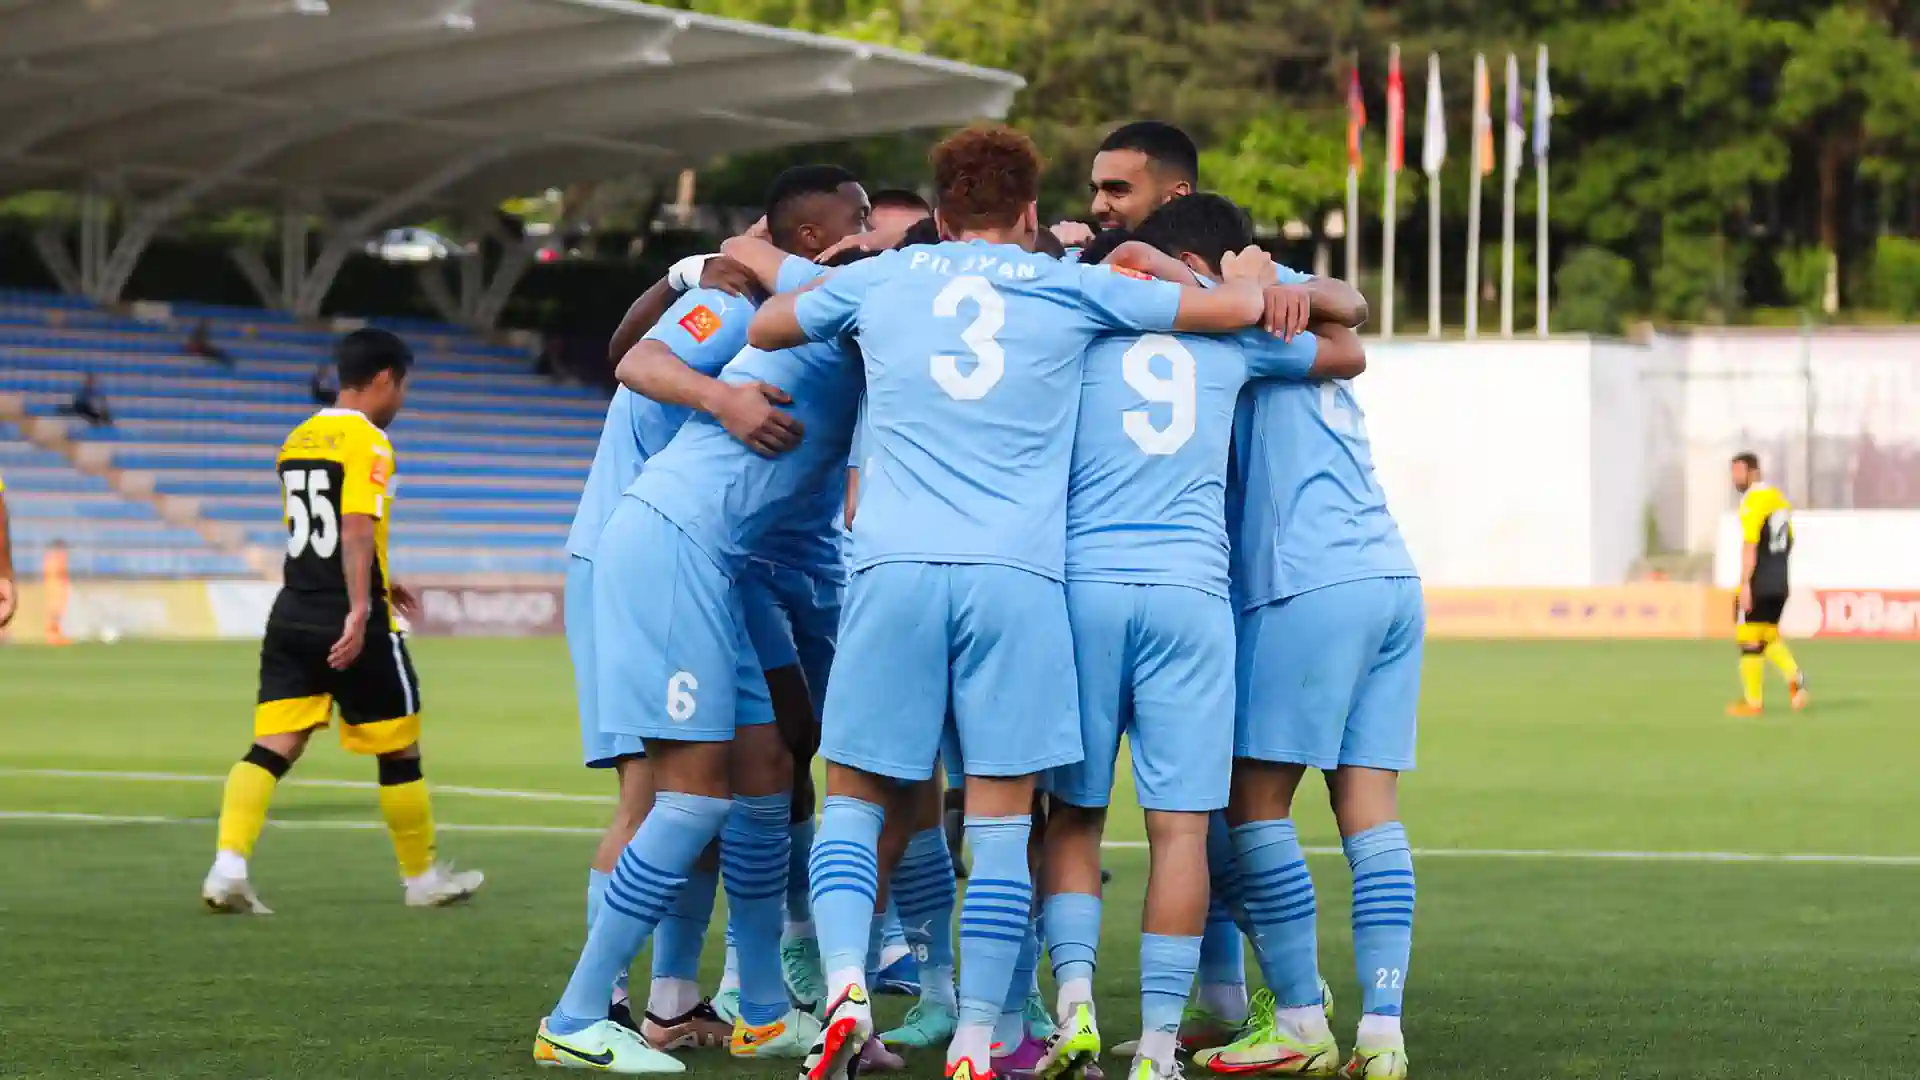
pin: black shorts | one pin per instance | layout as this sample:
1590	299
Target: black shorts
378	696
1766	609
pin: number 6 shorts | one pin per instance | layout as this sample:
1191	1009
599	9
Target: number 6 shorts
671	654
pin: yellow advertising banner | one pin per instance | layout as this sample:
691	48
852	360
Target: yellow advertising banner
1647	610
111	610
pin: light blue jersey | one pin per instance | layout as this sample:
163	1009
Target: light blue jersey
1309	512
1147	501
723	495
705	328
973	353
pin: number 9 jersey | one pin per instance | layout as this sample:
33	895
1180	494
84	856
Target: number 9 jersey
336	463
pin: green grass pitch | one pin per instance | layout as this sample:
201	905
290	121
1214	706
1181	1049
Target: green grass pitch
1531	960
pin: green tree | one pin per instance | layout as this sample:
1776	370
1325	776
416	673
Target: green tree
1849	97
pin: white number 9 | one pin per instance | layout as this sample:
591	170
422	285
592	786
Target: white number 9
989	361
1176	390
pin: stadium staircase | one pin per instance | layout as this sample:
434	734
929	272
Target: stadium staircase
181	484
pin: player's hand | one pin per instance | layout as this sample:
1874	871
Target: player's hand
352	637
1073	234
747	411
878	240
405	601
758	230
730	276
1288	309
1250	264
1746	599
6	601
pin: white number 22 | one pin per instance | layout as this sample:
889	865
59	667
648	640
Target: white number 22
1176	389
311	520
989	362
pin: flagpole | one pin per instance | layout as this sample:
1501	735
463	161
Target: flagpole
1433	153
1389	211
1542	110
1474	172
1511	181
1353	226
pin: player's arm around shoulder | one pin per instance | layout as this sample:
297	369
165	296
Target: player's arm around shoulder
825	308
1338	352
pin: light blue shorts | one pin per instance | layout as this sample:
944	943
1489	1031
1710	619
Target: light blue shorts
673	656
994	637
1332	677
597	748
1156	664
793	617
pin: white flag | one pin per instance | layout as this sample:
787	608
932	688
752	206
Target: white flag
1433	145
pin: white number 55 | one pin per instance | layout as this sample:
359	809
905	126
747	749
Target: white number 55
989	363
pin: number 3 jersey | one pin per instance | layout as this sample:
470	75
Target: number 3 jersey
1147	500
973	355
336	463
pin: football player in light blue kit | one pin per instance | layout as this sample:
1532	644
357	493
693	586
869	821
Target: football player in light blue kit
813	207
973	352
1331	632
1153	628
670	668
791	594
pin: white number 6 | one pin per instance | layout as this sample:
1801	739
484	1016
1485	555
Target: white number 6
680	702
1176	390
989	361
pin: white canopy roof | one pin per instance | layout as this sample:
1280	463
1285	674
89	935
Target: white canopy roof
399	102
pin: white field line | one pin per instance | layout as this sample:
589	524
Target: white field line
1813	858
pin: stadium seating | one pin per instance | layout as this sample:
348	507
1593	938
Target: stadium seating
491	455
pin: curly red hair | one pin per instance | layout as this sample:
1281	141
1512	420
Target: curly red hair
986	176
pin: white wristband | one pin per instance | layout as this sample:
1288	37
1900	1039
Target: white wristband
685	274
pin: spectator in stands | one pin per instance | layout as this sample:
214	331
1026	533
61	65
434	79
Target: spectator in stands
6	562
324	386
200	343
89	403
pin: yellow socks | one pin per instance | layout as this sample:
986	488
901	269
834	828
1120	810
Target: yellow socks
1753	672
243	807
1782	658
409	813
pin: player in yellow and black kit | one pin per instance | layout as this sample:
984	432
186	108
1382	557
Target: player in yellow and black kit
1766	533
332	639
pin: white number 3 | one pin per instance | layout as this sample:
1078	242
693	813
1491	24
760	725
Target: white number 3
680	702
989	362
1176	390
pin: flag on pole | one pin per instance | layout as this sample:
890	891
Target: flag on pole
1396	114
1542	107
1482	119
1516	120
1433	144
1356	118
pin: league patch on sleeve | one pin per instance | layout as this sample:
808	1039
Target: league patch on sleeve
380	471
1129	271
701	322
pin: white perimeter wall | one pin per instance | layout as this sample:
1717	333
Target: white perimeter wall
1512	464
1533	463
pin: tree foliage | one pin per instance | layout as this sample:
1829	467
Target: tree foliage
1682	128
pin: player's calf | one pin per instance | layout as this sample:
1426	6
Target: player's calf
1364	803
243	813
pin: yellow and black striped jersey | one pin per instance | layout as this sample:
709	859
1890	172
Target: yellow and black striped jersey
1766	522
335	464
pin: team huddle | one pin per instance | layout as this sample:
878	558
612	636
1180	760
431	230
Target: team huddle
1046	549
938	494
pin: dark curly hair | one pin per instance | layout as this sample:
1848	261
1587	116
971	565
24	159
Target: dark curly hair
986	176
